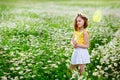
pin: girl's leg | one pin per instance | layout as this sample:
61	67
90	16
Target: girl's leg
82	68
72	67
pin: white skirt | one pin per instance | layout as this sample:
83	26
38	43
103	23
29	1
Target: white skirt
80	56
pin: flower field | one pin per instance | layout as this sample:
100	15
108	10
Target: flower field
35	39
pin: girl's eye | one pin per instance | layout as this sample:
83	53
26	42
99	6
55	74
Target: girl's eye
79	21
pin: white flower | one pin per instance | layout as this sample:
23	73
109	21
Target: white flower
101	61
89	78
106	75
99	67
110	66
29	64
21	77
5	48
49	61
44	67
58	62
4	78
33	76
102	72
106	68
54	65
64	75
21	54
67	60
18	68
115	64
12	53
16	78
112	58
98	75
95	69
21	72
16	64
12	68
95	73
27	70
68	66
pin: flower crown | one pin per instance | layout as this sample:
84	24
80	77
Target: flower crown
82	16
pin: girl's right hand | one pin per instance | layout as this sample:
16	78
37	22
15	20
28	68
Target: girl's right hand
74	42
75	46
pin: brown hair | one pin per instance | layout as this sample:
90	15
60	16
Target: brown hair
85	22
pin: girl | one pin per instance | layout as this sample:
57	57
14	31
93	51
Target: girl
80	42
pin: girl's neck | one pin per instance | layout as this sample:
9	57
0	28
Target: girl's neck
80	29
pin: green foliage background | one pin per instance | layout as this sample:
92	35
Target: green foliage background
35	39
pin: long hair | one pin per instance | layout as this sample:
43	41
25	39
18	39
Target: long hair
85	22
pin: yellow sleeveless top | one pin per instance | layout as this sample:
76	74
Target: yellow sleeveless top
79	36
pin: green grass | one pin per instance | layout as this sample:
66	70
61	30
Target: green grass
35	38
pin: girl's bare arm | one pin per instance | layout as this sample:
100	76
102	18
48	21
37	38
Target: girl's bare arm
72	40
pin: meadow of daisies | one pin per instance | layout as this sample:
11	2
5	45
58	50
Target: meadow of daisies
35	39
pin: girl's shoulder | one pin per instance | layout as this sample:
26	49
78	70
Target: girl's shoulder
87	31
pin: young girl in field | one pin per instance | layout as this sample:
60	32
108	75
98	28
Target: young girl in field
80	42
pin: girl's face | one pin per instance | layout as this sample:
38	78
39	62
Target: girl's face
80	22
